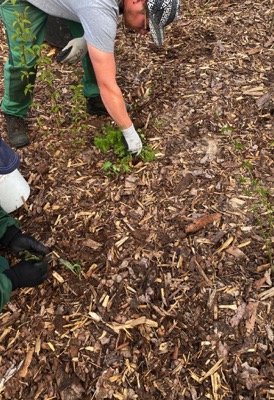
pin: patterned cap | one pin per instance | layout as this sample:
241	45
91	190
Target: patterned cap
160	14
9	160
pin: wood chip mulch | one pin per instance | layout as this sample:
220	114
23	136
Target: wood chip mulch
175	294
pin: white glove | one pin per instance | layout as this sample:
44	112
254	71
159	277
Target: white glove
133	141
74	51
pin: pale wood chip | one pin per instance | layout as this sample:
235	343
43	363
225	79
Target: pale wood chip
132	323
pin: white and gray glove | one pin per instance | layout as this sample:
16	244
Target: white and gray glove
74	51
132	140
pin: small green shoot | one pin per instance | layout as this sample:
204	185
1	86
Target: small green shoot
242	179
74	268
247	165
226	129
238	146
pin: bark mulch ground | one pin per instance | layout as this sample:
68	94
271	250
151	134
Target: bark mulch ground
174	298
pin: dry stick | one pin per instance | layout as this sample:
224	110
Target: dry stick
202	273
23	372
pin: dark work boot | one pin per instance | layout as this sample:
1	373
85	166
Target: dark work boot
16	129
95	106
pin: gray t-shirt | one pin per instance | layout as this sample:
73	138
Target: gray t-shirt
99	18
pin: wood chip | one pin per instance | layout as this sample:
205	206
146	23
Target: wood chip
266	294
212	370
58	277
23	372
130	324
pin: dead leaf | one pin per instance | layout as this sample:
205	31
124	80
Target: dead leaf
259	283
263	100
92	244
270	333
236	319
250	315
234	251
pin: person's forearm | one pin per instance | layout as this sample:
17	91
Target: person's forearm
105	70
115	105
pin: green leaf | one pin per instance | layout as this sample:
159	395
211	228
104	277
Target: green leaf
74	268
28	256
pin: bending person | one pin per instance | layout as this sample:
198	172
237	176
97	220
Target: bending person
19	75
99	19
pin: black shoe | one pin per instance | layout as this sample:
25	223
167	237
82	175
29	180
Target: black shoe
95	106
16	129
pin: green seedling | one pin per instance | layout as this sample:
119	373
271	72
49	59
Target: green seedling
74	268
226	129
247	165
262	206
28	256
262	210
242	179
113	139
238	146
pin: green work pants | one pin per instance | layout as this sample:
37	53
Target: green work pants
20	69
89	80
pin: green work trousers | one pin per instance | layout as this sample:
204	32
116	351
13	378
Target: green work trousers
22	61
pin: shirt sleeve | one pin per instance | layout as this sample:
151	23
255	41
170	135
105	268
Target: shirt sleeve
100	28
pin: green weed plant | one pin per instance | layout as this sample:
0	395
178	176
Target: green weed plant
75	268
112	138
262	197
262	209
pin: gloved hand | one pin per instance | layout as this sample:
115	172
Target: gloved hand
27	273
132	140
74	51
21	242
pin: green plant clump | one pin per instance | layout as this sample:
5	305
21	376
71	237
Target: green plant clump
263	208
113	138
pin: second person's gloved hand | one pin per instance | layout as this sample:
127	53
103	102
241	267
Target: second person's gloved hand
21	242
74	51
27	273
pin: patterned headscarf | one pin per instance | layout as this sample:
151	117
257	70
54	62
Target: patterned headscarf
160	14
